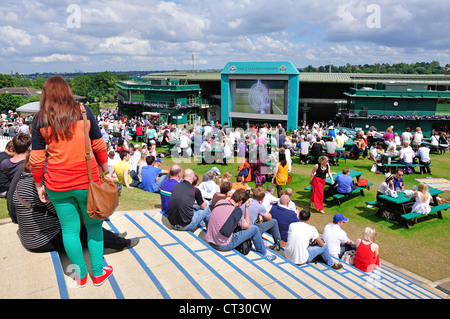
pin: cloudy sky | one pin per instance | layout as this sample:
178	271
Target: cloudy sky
121	35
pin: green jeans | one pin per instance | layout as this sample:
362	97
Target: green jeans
68	204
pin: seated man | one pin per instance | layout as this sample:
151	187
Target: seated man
209	187
291	205
397	181
123	171
226	216
301	249
336	238
424	159
21	143
269	198
4	180
224	193
152	175
261	217
284	216
344	182
167	186
181	213
406	154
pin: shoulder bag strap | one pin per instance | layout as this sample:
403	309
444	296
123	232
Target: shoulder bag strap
87	142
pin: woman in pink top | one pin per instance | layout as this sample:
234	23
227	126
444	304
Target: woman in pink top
367	257
389	134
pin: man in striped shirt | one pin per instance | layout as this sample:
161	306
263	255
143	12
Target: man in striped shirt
175	174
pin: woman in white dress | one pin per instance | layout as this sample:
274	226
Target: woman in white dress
423	199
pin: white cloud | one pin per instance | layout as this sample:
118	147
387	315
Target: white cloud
124	45
14	36
157	34
60	58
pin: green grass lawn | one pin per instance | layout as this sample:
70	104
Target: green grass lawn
423	249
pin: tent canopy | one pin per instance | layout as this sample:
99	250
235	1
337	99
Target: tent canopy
29	108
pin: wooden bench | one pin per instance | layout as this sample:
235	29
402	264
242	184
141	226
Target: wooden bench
374	203
338	197
434	209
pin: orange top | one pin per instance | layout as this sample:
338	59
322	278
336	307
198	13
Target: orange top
66	167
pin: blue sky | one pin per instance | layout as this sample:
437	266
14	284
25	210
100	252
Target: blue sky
121	35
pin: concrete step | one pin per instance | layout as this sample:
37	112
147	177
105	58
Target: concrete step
169	264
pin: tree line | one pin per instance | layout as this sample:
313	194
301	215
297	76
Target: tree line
95	88
396	68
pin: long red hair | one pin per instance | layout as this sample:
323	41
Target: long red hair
59	110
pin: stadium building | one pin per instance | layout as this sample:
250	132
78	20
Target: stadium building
353	99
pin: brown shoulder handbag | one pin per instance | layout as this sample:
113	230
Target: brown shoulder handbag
102	199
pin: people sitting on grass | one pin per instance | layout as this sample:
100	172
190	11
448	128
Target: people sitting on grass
305	244
153	176
239	184
125	175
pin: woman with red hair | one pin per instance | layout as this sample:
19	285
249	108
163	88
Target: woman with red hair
59	169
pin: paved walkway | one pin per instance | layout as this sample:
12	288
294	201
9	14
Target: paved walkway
168	264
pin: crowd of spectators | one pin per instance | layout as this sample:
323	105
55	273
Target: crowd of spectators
231	211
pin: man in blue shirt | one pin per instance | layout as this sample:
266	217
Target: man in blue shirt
175	174
284	216
152	175
399	184
344	182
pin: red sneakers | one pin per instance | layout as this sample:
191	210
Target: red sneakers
99	280
81	282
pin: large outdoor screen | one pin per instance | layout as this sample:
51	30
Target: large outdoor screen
259	97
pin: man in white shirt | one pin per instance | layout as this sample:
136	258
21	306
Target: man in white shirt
299	249
291	204
336	238
269	199
406	135
406	154
424	158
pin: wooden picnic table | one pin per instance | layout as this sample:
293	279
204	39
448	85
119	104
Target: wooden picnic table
389	156
397	205
352	174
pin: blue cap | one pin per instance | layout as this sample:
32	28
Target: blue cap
340	218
